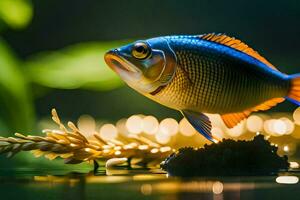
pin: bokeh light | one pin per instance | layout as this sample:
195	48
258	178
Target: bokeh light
238	130
168	126
165	132
279	127
162	138
217	132
185	128
290	126
134	124
216	120
254	123
86	125
121	126
268	126
108	132
150	125
296	116
286	148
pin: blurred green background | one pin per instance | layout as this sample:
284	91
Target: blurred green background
51	51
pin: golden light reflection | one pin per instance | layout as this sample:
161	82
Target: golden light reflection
215	187
107	179
149	184
146	177
146	189
57	180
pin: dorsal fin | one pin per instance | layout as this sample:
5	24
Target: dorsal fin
236	44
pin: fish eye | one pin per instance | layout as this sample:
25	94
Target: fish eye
140	50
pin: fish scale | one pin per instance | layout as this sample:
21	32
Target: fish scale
218	83
211	73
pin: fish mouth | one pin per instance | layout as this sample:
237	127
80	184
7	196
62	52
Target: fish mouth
116	62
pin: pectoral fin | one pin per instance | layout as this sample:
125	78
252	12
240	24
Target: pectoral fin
200	122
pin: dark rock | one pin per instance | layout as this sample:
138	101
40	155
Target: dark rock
227	158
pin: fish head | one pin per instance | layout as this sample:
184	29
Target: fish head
144	65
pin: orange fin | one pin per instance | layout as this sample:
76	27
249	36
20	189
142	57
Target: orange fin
232	119
294	93
236	44
267	104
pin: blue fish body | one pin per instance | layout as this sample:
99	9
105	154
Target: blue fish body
196	74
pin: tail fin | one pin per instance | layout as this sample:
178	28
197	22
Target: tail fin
294	93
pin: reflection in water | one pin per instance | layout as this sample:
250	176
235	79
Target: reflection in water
287	179
111	163
217	187
294	165
146	189
143	184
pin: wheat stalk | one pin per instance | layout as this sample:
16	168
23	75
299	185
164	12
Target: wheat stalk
71	145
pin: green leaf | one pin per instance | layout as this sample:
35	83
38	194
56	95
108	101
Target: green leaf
16	110
16	13
77	66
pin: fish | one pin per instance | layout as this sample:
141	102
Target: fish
209	73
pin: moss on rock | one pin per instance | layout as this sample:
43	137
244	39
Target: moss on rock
229	158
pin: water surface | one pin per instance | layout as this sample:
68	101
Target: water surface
26	183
